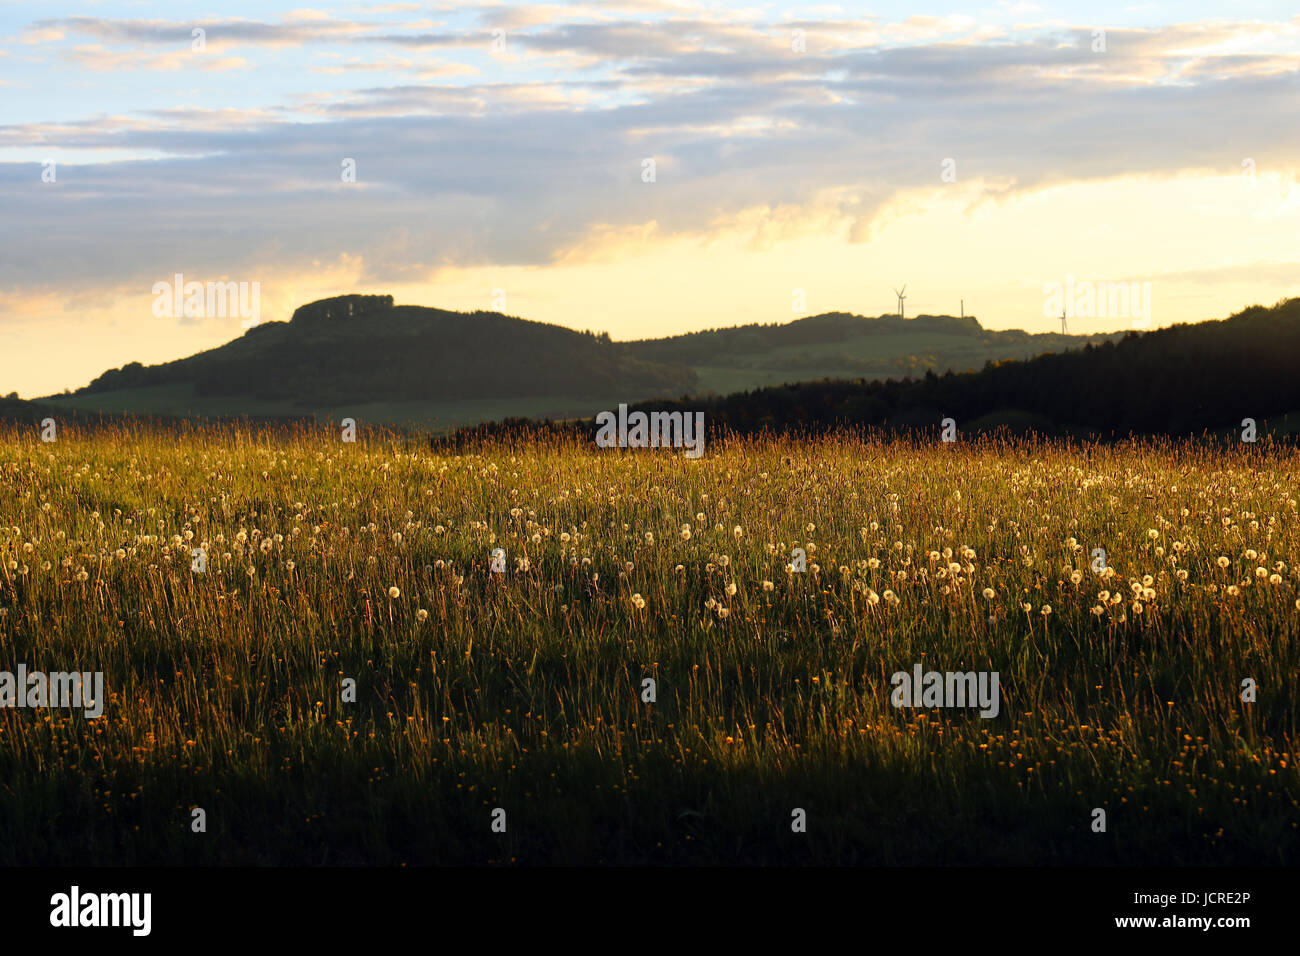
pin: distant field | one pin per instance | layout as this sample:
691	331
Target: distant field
873	355
1121	689
180	401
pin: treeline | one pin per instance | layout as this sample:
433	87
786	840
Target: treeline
21	413
342	307
1179	380
1182	380
707	347
701	347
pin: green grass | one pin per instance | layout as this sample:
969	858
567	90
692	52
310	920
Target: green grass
180	401
522	690
873	356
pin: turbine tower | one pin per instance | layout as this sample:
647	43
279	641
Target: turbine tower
1063	329
901	297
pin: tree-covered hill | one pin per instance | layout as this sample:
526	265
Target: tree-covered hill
1180	380
365	349
363	355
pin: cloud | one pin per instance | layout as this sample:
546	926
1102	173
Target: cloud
170	33
530	161
39	34
99	59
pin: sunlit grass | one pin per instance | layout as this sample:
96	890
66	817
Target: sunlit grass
522	690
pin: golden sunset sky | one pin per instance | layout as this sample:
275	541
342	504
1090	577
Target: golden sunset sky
796	149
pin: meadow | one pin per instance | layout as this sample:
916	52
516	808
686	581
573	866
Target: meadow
371	562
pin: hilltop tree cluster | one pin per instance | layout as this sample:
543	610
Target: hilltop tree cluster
343	307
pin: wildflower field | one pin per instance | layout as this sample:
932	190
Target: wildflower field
368	565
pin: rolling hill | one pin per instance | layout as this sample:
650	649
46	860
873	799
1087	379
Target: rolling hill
364	357
842	345
1182	380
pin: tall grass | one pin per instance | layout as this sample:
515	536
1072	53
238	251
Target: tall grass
523	690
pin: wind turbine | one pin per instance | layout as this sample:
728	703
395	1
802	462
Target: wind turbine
1063	330
901	297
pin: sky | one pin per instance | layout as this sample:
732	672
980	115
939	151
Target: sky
642	167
